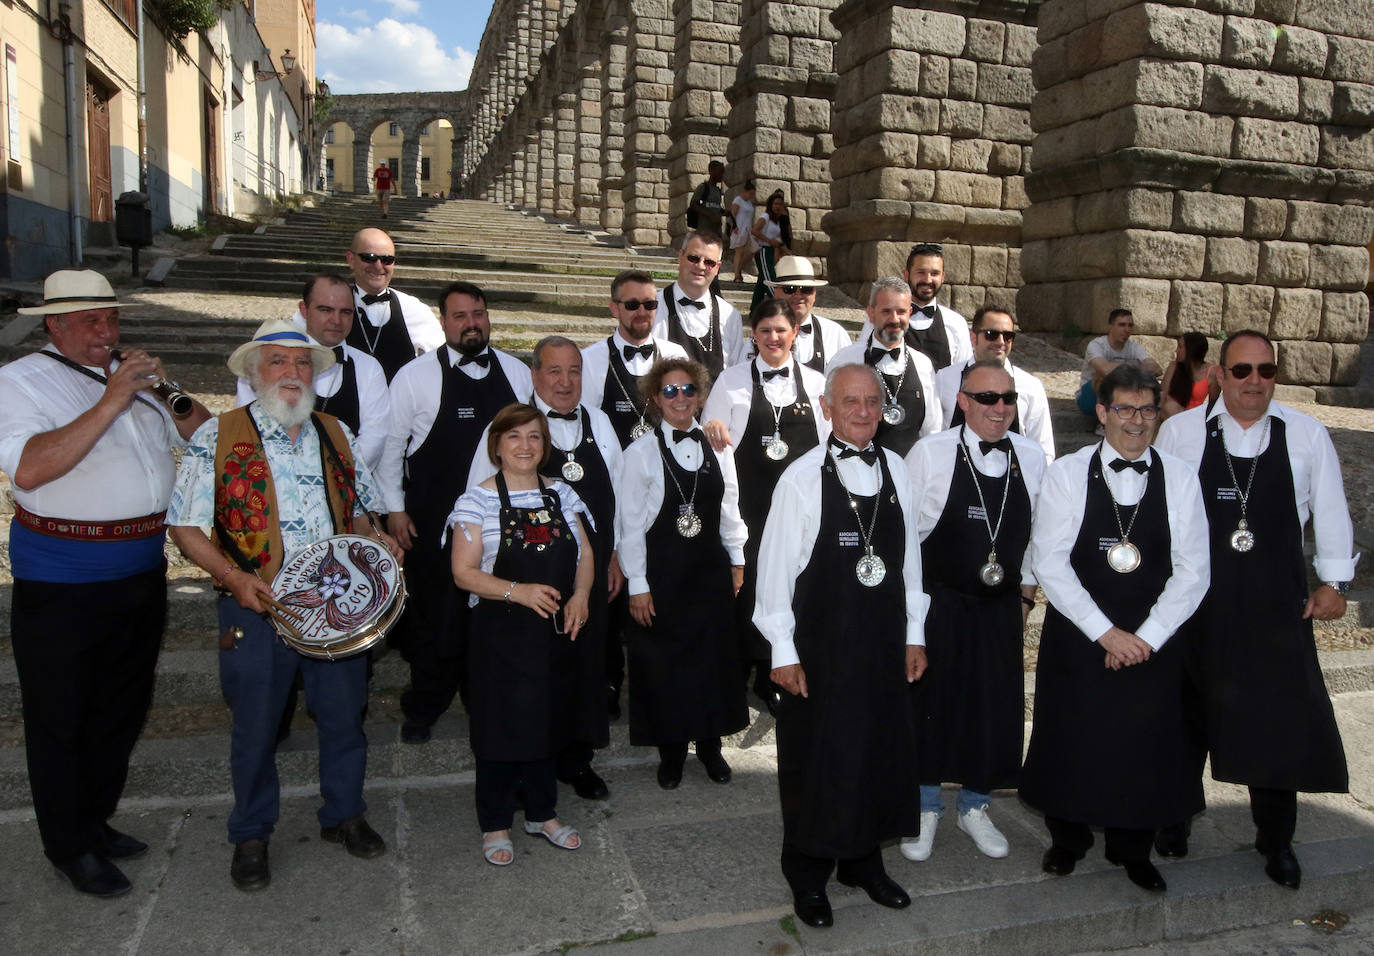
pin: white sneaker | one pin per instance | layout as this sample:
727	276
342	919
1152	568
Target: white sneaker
985	836
917	849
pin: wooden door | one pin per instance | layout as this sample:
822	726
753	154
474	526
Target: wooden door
98	149
211	158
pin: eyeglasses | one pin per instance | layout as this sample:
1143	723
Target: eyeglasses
992	398
670	391
634	305
371	257
926	249
1148	413
697	260
794	289
1267	370
992	335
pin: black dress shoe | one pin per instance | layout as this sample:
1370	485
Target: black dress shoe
119	846
1281	866
1059	861
587	784
881	889
414	733
813	909
93	874
669	775
1172	842
1142	873
716	767
249	870
357	837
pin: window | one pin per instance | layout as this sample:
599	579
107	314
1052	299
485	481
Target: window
126	11
424	167
392	129
12	98
329	136
329	171
392	163
425	131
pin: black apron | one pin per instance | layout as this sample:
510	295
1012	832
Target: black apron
343	404
758	475
390	344
595	490
1111	747
933	342
684	670
909	396
714	358
1268	715
436	473
620	398
817	359
970	707
958	418
847	753
522	673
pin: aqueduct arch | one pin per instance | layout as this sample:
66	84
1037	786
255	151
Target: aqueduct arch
364	112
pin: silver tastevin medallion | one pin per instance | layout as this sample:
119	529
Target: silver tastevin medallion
777	448
1123	556
1242	539
571	470
992	573
870	570
639	431
688	524
894	414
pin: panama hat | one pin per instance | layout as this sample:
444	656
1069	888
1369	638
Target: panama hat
794	270
282	332
74	290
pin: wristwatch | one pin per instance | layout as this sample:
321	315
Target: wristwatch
1340	587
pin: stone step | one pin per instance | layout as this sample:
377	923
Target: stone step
493	280
542	259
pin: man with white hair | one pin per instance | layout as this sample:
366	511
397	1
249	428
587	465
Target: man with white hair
273	478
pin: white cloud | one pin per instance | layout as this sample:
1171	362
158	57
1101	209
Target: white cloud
388	57
405	6
364	16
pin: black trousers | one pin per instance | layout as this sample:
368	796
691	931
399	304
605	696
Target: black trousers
502	785
86	655
809	874
435	646
1123	845
1275	813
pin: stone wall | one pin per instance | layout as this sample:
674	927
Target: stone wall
412	112
1208	165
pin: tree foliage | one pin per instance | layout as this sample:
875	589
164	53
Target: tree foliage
178	18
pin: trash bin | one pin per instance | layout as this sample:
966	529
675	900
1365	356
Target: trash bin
134	223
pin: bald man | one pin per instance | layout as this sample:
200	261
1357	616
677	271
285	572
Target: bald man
391	326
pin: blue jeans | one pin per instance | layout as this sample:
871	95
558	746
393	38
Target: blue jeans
256	677
966	801
1087	400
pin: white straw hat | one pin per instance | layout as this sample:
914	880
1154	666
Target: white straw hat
282	332
74	290
794	270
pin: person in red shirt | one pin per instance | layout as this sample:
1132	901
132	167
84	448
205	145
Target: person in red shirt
382	177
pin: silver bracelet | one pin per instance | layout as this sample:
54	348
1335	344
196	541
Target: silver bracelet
509	588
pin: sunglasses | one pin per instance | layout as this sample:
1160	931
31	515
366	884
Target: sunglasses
992	398
697	260
1148	413
670	391
992	335
794	289
634	305
371	257
926	249
1267	370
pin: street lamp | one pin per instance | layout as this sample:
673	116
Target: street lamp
288	63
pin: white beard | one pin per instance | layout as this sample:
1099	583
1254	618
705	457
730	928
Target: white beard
287	415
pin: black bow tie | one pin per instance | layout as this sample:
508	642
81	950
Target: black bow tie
566	416
631	351
686	301
804	329
928	311
772	373
483	360
379	297
869	455
1120	464
1002	444
339	356
694	434
876	354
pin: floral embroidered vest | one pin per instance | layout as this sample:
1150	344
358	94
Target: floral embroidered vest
246	499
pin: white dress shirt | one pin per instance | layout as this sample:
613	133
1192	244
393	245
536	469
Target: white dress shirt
696	322
422	322
128	473
1317	483
596	360
932	464
636	510
789	537
415	393
733	392
956	330
1059	516
565	435
1032	404
916	362
832	335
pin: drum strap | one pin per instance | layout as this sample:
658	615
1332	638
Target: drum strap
349	494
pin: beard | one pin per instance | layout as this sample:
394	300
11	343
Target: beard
471	344
287	415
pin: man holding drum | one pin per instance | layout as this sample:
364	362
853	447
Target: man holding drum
274	478
86	447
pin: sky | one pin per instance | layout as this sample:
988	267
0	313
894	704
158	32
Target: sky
397	45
